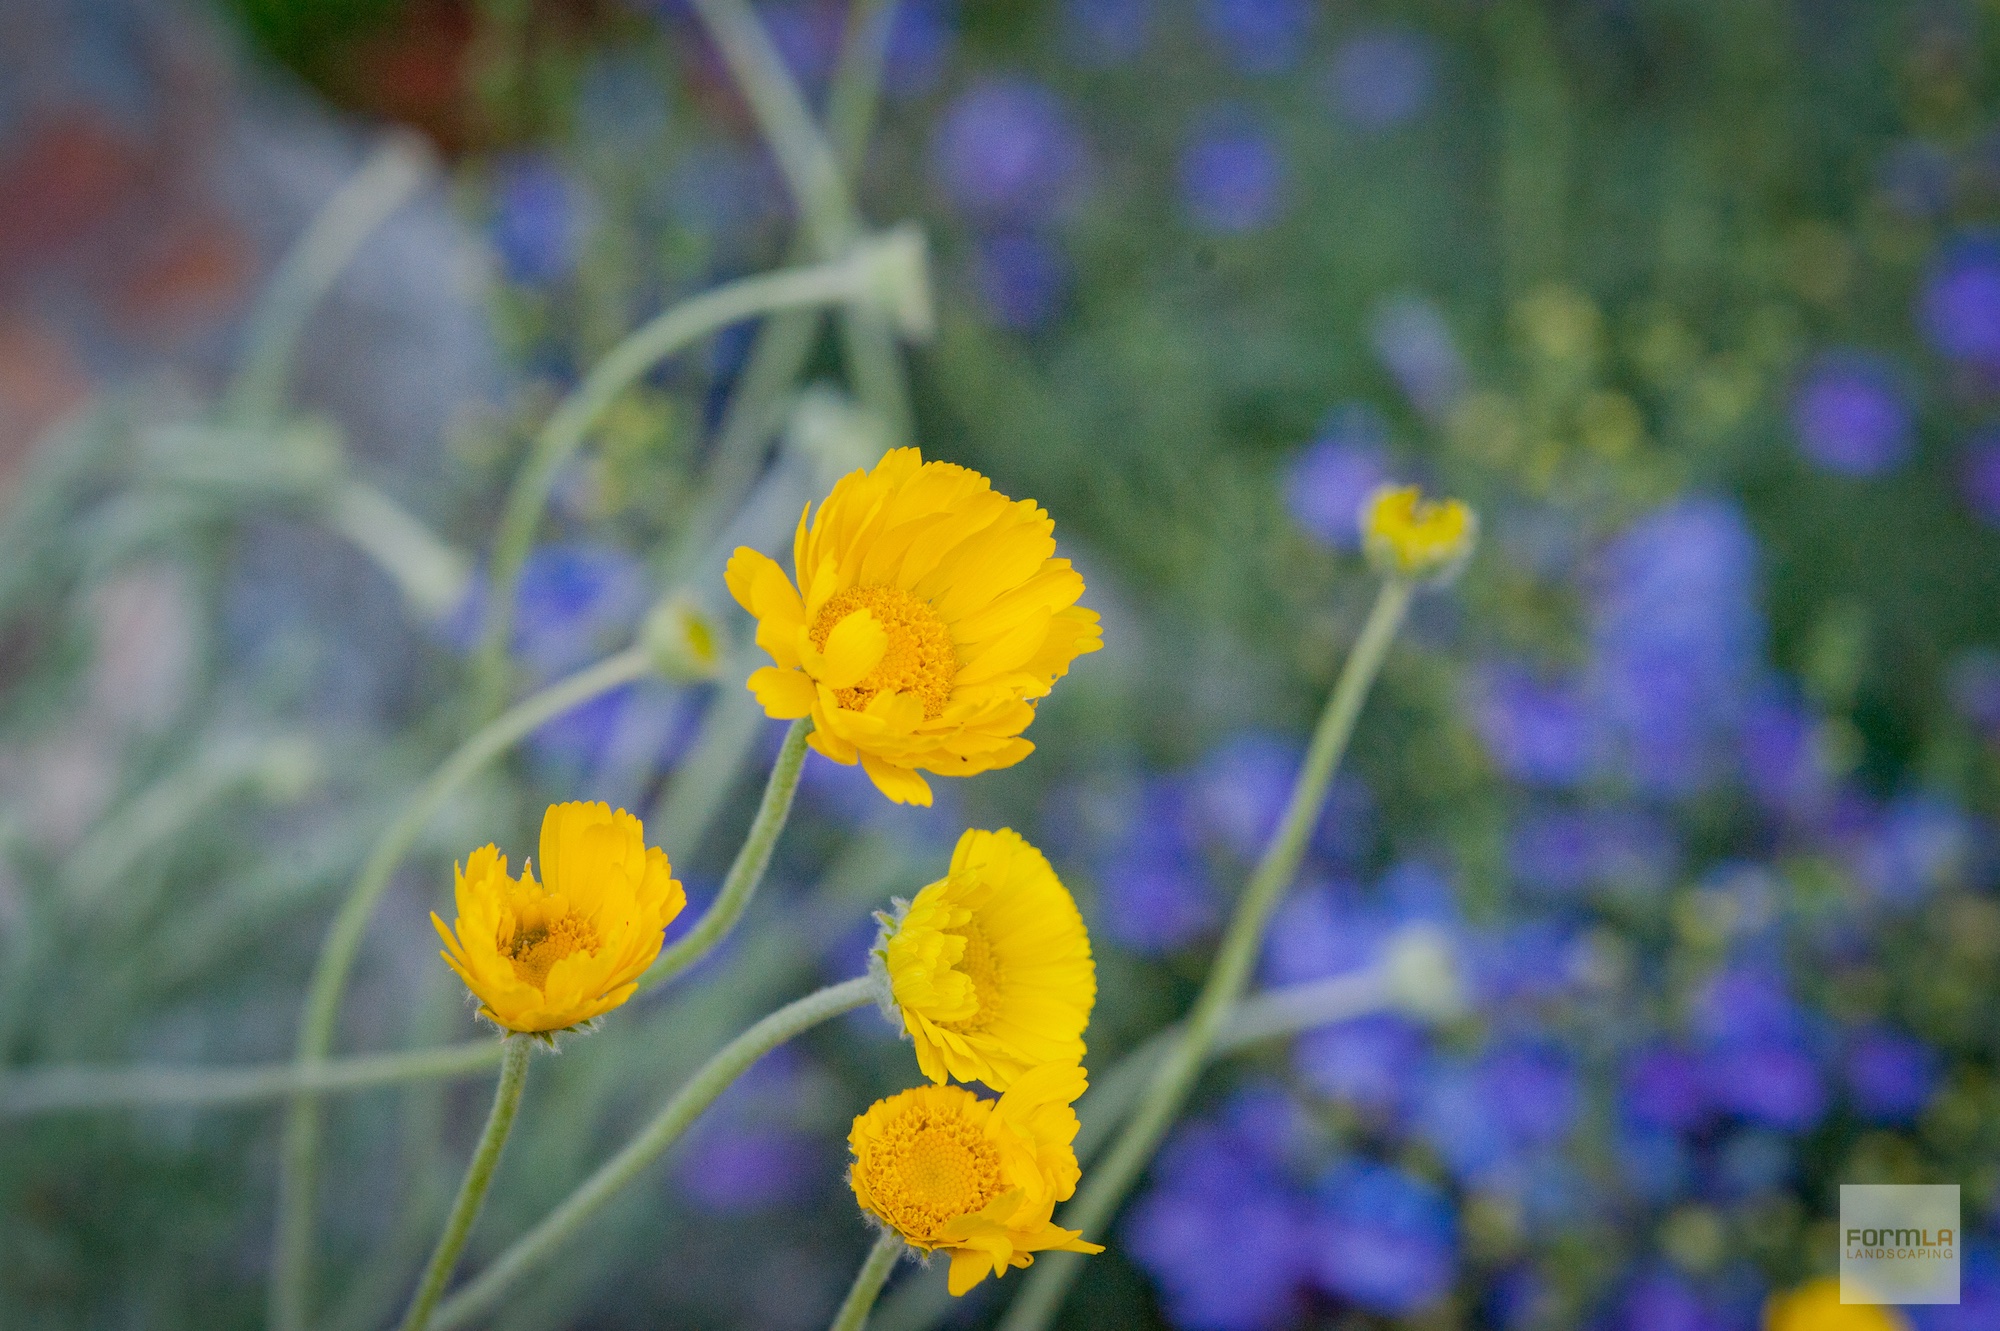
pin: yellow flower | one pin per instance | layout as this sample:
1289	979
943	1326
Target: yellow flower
928	613
1817	1307
977	1178
1411	537
990	965
546	956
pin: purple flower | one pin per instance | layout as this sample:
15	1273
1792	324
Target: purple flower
1022	279
1773	1083
1920	843
1852	415
1540	733
1660	1300
1259	36
1241	789
1007	149
808	36
1221	1233
1959	310
921	36
1890	1076
537	223
1414	343
1664	1087
1566	851
1487	1117
1383	78
1103	34
1655	1164
1320	932
1327	483
1385	1240
742	1169
1747	1002
1370	1063
1978	1306
1232	175
1783	761
1676	639
1979	477
1155	894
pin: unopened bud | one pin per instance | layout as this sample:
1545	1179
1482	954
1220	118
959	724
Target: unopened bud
1420	974
1408	536
686	643
894	271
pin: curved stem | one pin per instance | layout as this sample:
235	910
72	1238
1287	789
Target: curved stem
729	1063
1043	1292
478	1178
563	433
307	272
430	573
748	869
856	93
868	1282
291	1259
70	1089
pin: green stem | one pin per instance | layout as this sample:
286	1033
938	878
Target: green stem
856	94
70	1089
478	1178
868	1282
1043	1292
431	574
563	433
716	759
307	272
292	1255
714	1077
748	869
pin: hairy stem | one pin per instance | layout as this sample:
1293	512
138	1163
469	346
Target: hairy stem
478	1178
714	1077
1042	1293
868	1282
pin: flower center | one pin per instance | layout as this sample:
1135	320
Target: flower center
977	966
539	947
932	1168
919	659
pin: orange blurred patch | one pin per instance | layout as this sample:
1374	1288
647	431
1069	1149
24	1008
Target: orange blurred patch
70	172
196	272
40	380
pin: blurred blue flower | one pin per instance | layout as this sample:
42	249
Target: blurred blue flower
1920	843
1747	1001
1007	149
1852	415
1486	1117
922	34
1664	1087
1221	1232
1676	638
742	1169
808	36
1771	1082
1384	1240
1979	477
1978	1306
1659	1299
1022	278
1654	1164
1232	175
1538	732
1890	1076
1524	962
1414	343
1241	788
1562	852
1959	310
1370	1063
1103	34
1784	763
1321	931
1383	78
1259	36
537	224
1328	481
1155	893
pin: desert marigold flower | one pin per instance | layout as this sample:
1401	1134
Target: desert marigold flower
977	1178
542	957
1817	1307
990	966
1408	536
928	614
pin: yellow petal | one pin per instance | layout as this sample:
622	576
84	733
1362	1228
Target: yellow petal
785	695
900	784
968	1267
853	649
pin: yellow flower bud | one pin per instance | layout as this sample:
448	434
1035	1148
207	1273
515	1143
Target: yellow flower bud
1407	536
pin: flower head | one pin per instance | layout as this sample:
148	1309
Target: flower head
990	965
1409	536
928	614
1816	1306
978	1178
543	957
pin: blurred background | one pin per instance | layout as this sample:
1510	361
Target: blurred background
1697	767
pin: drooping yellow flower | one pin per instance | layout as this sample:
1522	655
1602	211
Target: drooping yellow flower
546	956
978	1178
990	965
929	613
1816	1306
1411	537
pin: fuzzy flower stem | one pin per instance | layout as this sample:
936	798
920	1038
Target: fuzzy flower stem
687	1104
291	1266
1106	1185
478	1178
748	869
868	1282
829	283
